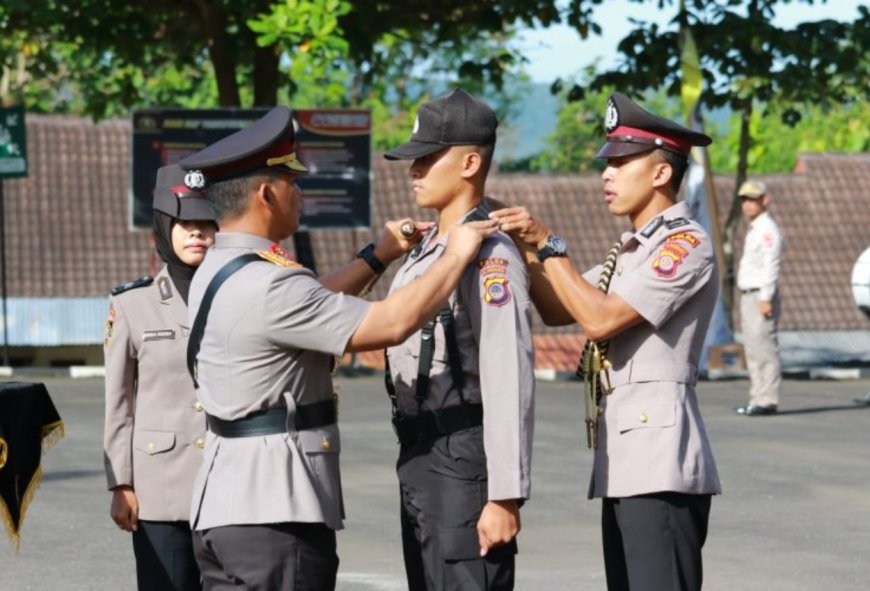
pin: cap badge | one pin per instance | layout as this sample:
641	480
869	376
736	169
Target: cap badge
611	117
416	124
194	179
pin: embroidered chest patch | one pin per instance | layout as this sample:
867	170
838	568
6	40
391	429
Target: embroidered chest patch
672	253
496	288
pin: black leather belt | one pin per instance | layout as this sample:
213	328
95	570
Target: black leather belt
268	422
433	424
750	290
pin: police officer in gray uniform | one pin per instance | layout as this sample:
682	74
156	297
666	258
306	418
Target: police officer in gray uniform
265	333
463	387
654	467
154	425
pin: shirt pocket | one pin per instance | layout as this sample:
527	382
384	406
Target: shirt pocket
658	411
321	448
153	442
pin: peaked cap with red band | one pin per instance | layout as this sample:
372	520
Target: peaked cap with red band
177	200
632	130
268	142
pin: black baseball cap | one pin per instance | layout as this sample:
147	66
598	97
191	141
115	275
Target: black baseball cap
455	119
632	130
177	200
269	142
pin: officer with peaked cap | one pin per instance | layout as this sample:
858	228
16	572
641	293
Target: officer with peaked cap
154	425
465	418
264	337
758	282
644	313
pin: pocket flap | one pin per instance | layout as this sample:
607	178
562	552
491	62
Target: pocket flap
648	414
153	442
323	440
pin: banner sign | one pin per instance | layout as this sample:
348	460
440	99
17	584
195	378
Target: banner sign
13	143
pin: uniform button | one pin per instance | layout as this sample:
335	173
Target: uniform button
197	406
325	444
643	418
151	446
200	443
619	271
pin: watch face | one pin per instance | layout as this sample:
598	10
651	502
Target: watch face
558	244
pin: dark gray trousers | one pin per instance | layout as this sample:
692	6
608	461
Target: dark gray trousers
164	557
653	542
281	556
443	488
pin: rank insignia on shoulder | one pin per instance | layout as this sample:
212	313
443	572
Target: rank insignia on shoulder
676	223
278	254
672	253
141	282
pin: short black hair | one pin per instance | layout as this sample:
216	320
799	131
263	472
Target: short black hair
486	152
678	163
230	197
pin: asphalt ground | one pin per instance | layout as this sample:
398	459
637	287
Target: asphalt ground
795	513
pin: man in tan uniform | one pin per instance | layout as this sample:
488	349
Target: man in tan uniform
463	387
654	467
758	282
267	500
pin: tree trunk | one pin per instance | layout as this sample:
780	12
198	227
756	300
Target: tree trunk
735	213
215	27
265	76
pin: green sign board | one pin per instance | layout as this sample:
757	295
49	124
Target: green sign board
13	143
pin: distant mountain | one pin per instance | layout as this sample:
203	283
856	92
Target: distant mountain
526	132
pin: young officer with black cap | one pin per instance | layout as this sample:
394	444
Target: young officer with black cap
645	322
155	428
265	332
462	388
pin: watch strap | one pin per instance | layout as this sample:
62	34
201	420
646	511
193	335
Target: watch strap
367	253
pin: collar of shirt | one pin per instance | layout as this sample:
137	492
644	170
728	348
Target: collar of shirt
760	220
241	240
677	210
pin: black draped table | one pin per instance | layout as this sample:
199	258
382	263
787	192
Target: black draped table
29	426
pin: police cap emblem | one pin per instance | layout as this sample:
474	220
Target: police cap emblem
611	116
194	179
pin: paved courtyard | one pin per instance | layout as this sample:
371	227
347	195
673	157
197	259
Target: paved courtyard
795	514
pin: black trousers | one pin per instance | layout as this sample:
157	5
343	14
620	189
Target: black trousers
281	556
443	488
653	542
164	557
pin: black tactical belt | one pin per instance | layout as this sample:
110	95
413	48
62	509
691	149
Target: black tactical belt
268	422
434	424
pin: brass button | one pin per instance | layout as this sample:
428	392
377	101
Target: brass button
197	406
325	444
151	446
200	443
643	418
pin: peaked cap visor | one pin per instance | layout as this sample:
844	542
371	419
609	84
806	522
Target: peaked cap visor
413	149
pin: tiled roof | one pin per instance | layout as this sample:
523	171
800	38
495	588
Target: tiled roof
67	224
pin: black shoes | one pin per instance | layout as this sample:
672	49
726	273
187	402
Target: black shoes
756	411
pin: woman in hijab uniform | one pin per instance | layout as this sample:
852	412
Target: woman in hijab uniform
155	427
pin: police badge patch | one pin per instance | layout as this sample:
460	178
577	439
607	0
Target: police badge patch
672	254
496	288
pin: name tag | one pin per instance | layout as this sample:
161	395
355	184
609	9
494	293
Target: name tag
158	335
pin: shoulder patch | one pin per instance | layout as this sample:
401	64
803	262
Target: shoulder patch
676	223
672	253
496	287
141	282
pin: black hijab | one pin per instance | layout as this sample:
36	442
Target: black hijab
180	272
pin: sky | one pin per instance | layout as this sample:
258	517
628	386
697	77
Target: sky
559	52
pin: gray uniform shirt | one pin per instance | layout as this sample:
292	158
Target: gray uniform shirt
652	436
492	313
269	342
154	426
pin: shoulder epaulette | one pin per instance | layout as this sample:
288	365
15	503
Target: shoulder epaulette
676	223
141	282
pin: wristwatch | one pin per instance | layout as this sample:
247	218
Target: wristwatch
555	247
367	253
